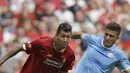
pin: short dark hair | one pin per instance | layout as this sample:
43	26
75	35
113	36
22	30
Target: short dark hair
65	27
114	26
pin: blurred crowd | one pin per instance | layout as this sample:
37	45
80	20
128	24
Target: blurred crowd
25	20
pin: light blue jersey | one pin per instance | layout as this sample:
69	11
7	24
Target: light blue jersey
98	59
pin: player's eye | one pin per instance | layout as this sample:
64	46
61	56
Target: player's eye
68	36
62	35
106	34
111	36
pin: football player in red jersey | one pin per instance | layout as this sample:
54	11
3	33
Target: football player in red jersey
47	54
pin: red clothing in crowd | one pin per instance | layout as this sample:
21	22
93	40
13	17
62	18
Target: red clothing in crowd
45	59
31	34
107	17
1	37
4	3
126	45
57	3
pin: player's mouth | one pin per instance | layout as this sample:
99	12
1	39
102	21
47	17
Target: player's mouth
64	44
107	41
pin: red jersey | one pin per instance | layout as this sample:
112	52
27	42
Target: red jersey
45	59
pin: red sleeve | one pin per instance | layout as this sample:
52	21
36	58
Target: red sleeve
69	63
32	46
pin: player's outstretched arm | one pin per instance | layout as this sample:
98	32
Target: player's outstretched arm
126	71
76	35
10	54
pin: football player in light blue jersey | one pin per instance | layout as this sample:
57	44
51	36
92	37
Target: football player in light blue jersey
102	55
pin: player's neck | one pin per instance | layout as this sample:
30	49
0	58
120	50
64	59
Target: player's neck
57	48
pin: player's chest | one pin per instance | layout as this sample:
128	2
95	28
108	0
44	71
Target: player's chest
103	58
51	58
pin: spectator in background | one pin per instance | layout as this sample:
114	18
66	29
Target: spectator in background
125	37
39	5
31	32
4	3
48	15
64	15
1	34
96	11
75	7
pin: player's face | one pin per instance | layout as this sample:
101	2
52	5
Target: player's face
110	38
63	38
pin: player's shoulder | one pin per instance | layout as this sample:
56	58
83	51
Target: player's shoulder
93	36
118	51
45	38
40	39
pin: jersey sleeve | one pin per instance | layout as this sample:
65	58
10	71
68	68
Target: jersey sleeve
88	38
31	47
68	64
123	64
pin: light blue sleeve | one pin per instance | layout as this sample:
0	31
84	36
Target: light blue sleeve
88	37
123	64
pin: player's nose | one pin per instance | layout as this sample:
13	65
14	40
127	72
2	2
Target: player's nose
65	39
107	37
